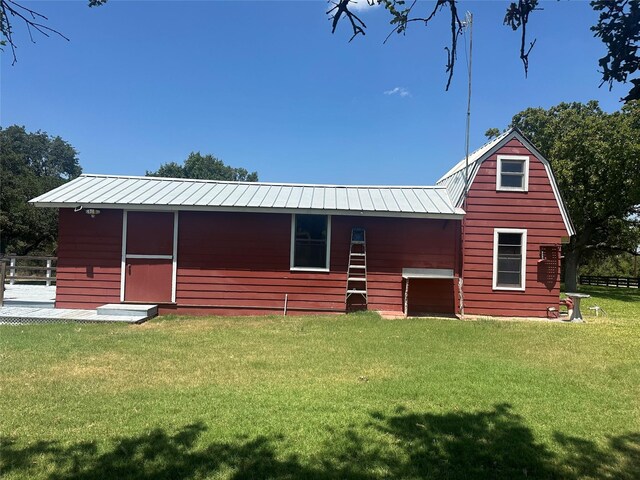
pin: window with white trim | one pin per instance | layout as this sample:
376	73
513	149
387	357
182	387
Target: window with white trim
513	173
310	236
509	258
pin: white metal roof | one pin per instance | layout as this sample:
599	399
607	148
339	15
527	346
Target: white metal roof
454	179
476	155
155	193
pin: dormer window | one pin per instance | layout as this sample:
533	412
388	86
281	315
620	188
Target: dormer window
512	173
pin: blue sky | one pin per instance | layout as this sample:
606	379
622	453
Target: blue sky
265	85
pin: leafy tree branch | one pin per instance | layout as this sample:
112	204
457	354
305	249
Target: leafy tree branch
618	27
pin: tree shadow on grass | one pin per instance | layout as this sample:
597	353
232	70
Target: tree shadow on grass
584	459
491	444
485	444
153	455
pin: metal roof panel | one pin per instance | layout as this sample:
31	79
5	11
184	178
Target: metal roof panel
283	198
317	201
353	199
377	200
401	200
341	199
413	200
162	193
306	197
69	190
234	195
365	199
389	201
293	201
259	196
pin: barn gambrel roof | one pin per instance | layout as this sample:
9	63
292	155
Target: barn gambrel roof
454	179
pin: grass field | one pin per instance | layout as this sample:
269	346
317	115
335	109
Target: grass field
325	397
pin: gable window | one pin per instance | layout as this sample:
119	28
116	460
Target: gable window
513	173
509	258
310	236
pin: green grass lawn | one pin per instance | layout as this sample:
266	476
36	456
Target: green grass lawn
325	397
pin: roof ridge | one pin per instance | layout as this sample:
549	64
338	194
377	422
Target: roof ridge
284	184
474	156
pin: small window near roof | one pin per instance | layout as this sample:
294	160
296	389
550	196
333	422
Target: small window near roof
310	244
509	259
513	173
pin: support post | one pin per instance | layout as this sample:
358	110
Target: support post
12	272
3	271
48	283
461	297
406	298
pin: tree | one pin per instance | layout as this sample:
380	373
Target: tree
595	157
31	164
205	167
611	265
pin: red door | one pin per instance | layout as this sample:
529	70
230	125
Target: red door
149	257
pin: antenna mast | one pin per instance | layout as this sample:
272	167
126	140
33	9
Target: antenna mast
468	23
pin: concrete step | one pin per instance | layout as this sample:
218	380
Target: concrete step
128	310
28	303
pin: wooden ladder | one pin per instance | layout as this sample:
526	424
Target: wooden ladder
357	270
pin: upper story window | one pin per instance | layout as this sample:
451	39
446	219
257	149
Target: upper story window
310	238
509	258
513	173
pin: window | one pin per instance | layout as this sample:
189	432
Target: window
310	236
509	259
513	173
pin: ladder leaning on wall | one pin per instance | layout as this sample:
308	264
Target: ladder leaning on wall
357	270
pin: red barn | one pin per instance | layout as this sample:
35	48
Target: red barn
210	247
514	224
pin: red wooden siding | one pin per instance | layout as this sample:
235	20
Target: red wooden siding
392	244
535	210
89	255
239	263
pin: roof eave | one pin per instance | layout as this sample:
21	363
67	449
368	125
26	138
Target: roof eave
457	214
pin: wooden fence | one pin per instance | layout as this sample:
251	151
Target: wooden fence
26	269
628	282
